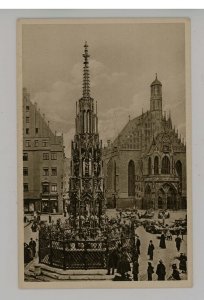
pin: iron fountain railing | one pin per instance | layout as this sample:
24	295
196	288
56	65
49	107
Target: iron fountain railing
56	250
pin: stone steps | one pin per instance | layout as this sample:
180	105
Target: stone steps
59	274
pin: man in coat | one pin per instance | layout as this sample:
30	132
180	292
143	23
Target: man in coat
150	271
161	270
183	263
150	251
178	242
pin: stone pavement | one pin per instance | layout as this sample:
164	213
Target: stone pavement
168	255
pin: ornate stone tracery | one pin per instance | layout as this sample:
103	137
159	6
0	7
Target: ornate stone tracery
86	181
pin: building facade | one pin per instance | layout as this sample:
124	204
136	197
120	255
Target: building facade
145	166
43	159
66	176
86	185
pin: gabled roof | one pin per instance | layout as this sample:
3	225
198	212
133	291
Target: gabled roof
166	141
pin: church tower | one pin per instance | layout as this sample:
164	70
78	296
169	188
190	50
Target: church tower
156	96
86	187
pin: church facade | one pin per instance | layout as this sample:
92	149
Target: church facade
145	167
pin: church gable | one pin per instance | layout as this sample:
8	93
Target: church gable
166	142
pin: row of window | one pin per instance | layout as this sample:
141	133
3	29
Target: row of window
46	188
28	131
45	171
36	142
165	165
46	156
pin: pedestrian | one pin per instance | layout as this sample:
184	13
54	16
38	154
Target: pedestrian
178	242
150	271
161	270
112	261
150	251
137	244
162	243
123	265
32	246
175	274
135	270
183	263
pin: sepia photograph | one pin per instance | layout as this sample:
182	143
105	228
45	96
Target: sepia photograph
104	153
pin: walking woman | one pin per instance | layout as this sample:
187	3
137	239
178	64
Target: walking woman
162	243
150	251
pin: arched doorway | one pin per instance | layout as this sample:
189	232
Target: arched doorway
161	199
131	178
171	199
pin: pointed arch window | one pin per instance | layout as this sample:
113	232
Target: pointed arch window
156	165
149	166
131	178
165	165
179	168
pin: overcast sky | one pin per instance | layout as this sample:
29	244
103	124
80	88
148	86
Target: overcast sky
124	60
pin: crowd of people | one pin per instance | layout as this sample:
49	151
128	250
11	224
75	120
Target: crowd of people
123	258
119	261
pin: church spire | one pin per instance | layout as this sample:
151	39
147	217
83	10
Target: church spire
86	83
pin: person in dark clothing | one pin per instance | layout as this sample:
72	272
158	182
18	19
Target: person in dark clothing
32	246
183	263
175	274
150	271
137	244
135	270
150	251
161	270
112	261
162	243
123	264
178	242
135	255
